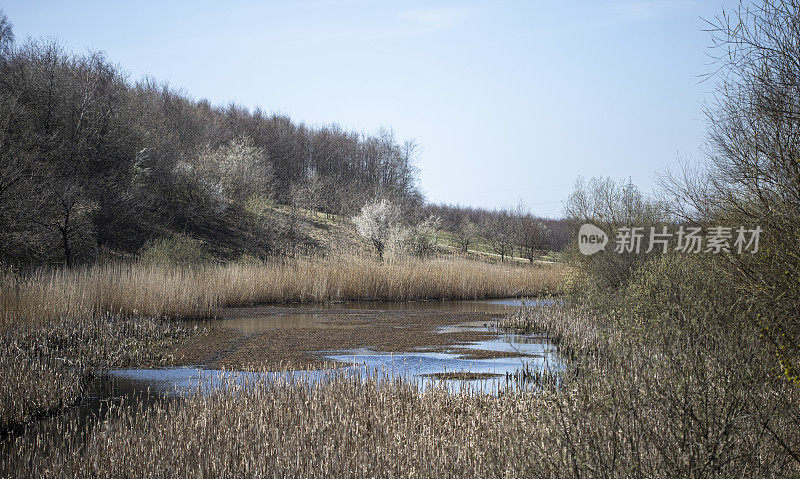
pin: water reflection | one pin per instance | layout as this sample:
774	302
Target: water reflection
534	353
330	315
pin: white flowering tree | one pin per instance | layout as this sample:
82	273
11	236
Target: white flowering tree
378	222
238	168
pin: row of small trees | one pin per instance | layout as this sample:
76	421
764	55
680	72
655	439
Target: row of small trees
507	232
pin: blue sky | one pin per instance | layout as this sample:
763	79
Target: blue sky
509	100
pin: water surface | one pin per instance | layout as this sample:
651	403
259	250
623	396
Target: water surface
518	352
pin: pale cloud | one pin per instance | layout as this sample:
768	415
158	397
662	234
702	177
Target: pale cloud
620	12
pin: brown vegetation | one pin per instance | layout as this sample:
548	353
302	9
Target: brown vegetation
679	403
60	325
299	347
198	291
42	369
692	399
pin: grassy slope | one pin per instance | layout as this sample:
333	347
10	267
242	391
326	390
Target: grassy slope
333	234
482	249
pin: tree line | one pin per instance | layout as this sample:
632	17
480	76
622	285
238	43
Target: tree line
506	232
90	161
94	163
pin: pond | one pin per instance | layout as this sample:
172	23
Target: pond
455	342
451	344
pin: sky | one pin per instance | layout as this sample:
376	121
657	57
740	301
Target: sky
509	101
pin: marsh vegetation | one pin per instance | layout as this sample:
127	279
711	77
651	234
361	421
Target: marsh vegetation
59	326
675	402
45	366
668	364
198	291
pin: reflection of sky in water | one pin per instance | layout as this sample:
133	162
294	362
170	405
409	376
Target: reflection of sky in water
538	353
417	364
513	344
525	302
410	365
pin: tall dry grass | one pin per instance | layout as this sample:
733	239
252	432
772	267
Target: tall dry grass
628	414
42	369
59	325
349	426
692	399
679	402
198	291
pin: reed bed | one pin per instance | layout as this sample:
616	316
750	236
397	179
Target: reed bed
695	399
199	291
61	325
349	426
678	403
42	369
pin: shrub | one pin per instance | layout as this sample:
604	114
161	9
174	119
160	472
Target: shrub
680	289
179	249
423	235
609	204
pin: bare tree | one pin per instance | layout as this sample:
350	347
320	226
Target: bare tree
752	176
532	237
65	209
424	235
149	159
609	204
465	233
6	37
310	191
499	232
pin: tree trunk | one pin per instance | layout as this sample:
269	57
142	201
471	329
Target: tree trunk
65	242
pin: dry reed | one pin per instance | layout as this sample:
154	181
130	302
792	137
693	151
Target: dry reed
687	405
696	399
198	291
42	369
350	426
58	325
